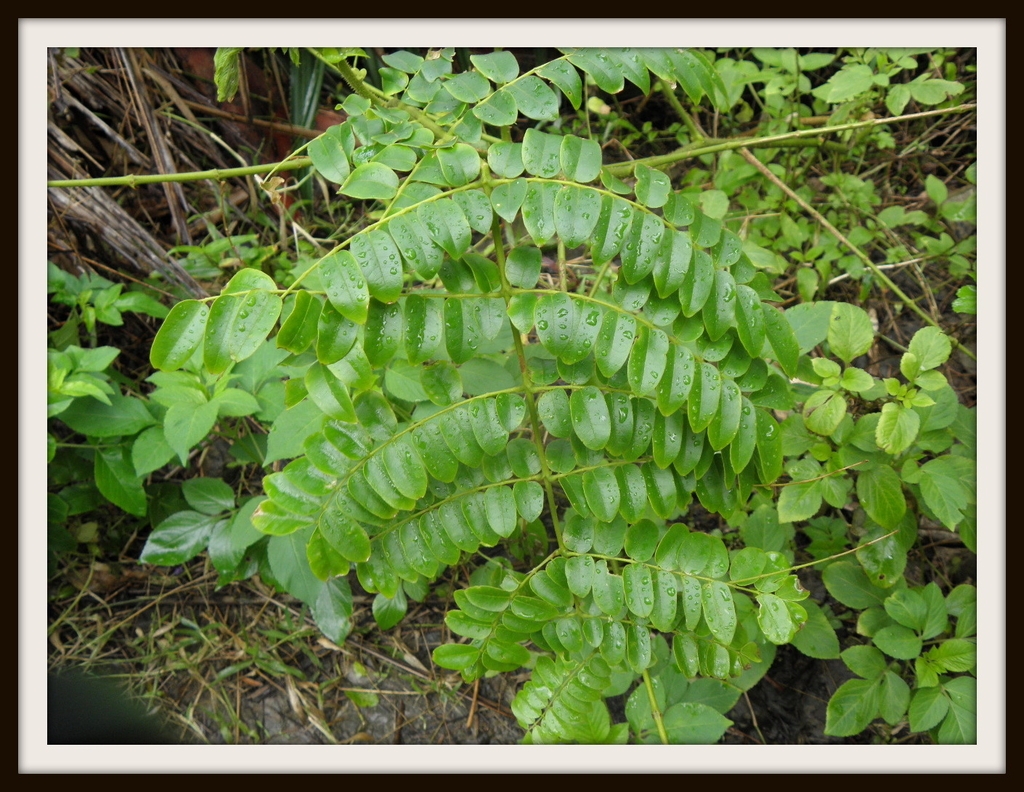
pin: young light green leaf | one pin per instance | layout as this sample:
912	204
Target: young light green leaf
850	333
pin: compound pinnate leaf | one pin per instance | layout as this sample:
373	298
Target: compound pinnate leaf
179	336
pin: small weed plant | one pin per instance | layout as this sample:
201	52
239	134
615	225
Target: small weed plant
548	368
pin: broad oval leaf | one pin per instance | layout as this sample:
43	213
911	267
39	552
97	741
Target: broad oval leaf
179	336
371	181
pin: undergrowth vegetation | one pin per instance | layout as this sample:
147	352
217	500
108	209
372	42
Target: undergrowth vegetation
612	351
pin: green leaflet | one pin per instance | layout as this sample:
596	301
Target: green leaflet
590	420
179	336
647	360
240	319
567	327
539	209
576	213
642	247
541	153
613	224
705	397
416	245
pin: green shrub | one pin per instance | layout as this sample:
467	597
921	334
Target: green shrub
533	361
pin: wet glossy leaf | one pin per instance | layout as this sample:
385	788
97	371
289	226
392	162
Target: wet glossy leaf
652	186
782	339
612	228
371	181
750	321
534	98
539	210
697	283
719	610
506	199
638	586
499	109
642	247
677	381
460	164
607	589
720	309
601	488
541	153
417	247
179	335
329	154
705	397
647	360
240	319
576	214
590	420
580	159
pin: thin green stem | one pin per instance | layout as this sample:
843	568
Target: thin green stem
217	174
853	248
528	389
658	722
772	141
